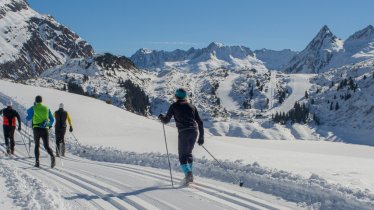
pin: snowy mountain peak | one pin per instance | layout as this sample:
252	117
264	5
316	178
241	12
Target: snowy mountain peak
144	51
325	40
367	32
215	45
317	55
325	30
31	42
359	46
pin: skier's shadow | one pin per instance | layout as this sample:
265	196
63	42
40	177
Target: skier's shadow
140	191
83	196
119	195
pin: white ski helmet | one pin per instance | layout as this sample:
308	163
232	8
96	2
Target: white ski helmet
9	103
61	106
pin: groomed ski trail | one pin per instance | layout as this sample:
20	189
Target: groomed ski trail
224	91
299	83
98	185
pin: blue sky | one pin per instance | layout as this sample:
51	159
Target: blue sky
124	26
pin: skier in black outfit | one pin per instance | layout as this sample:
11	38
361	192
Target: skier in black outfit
9	126
61	116
188	122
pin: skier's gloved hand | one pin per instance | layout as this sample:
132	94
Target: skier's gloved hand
200	141
160	116
71	129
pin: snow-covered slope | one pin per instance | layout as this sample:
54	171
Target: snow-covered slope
273	59
358	47
102	76
31	42
361	43
343	100
314	174
317	55
214	56
299	83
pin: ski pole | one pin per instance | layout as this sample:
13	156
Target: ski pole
24	142
167	152
240	182
80	145
29	134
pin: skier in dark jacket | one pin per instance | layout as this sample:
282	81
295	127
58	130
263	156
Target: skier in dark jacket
61	116
9	126
188	121
42	121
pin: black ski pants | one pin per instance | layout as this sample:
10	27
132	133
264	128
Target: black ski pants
44	135
9	136
186	142
60	139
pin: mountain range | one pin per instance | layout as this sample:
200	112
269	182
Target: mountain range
215	55
32	43
234	87
327	51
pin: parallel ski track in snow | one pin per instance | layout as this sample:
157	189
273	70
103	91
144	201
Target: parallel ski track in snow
107	191
204	190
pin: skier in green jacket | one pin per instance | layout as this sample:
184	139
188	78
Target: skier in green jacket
42	121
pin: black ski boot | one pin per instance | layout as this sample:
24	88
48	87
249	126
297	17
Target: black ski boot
189	177
53	161
37	164
8	150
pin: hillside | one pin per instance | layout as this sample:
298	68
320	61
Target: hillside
309	173
343	101
31	42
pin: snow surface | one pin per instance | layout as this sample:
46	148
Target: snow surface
317	174
299	83
353	122
26	191
5	201
224	92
